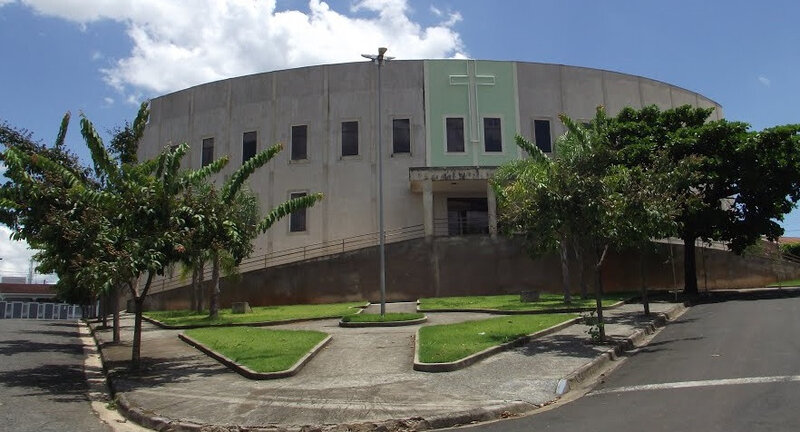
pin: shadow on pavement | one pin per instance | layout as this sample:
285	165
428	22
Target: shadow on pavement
64	382
59	333
19	346
155	372
560	345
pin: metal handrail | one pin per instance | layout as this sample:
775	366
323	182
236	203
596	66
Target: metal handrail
301	253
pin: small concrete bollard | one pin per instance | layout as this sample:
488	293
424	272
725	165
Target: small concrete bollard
529	296
241	308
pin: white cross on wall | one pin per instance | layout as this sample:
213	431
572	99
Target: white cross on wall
472	80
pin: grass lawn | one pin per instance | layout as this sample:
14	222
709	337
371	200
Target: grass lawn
260	314
451	342
511	302
394	316
262	350
786	283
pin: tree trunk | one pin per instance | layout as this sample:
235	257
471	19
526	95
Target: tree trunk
581	273
201	292
137	333
565	270
598	293
104	310
643	278
115	309
195	288
138	301
214	306
689	265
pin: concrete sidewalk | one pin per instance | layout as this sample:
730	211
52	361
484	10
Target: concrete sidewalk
364	376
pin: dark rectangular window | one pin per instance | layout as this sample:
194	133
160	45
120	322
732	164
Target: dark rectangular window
401	136
455	134
297	220
350	138
541	134
299	142
492	135
249	145
208	151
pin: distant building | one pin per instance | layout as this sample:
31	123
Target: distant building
447	124
24	292
14	279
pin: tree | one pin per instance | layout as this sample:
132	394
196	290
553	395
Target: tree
534	197
126	222
36	205
581	193
736	184
232	225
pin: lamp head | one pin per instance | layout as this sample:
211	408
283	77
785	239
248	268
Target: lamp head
382	51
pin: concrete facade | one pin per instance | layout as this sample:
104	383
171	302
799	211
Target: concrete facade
431	185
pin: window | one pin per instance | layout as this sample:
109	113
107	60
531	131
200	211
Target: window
299	142
297	220
208	151
455	134
541	134
401	136
350	138
492	136
249	140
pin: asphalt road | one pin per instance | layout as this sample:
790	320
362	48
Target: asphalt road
727	366
42	385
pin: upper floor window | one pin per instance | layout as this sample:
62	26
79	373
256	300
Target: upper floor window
455	134
249	145
208	151
350	138
541	135
492	135
297	220
401	136
299	142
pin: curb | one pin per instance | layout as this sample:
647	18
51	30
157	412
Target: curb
527	312
249	373
383	323
488	352
589	369
154	421
253	324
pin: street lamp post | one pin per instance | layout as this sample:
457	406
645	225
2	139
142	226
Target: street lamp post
379	60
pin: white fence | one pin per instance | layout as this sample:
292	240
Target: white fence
34	310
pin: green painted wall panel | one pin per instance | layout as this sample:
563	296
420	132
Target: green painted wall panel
472	90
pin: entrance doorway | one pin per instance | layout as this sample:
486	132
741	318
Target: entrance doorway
467	216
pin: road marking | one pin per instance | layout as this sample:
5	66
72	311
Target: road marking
703	383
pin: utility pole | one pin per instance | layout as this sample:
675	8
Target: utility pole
379	60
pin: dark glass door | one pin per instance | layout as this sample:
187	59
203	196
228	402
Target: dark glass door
467	216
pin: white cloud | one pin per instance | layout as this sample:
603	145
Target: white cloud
108	101
764	80
181	43
16	255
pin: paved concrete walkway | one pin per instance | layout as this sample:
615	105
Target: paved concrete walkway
363	375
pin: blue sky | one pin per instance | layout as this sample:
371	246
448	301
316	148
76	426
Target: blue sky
103	57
